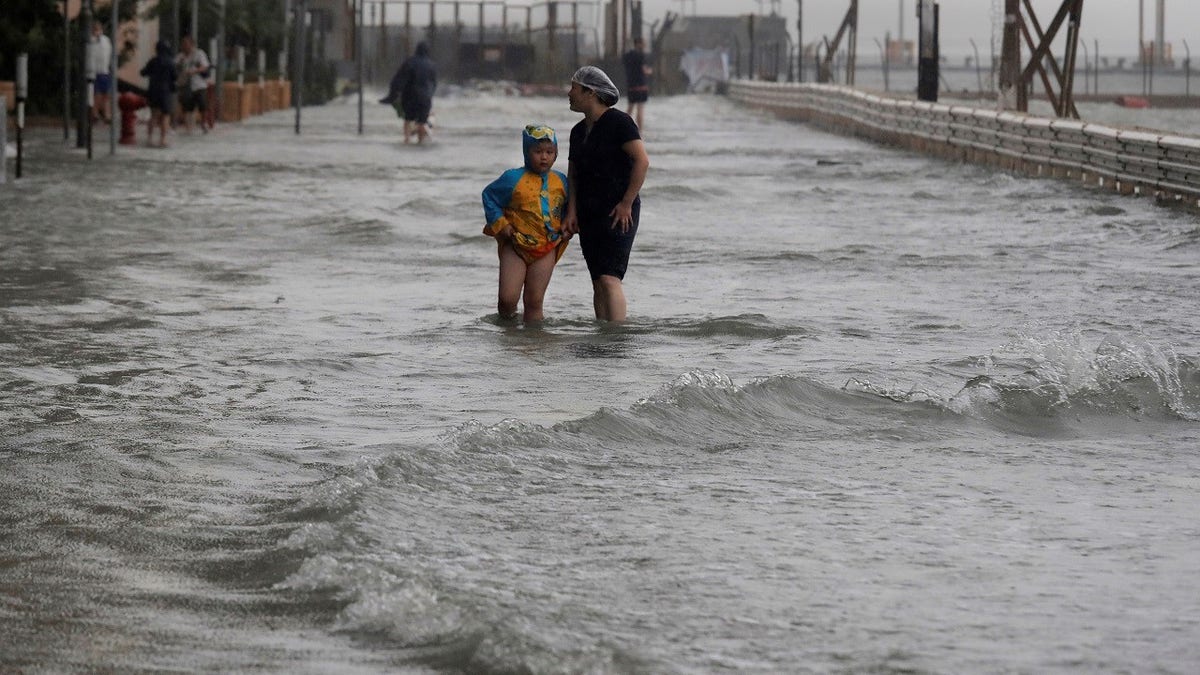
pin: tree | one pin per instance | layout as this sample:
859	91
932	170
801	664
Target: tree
35	27
253	24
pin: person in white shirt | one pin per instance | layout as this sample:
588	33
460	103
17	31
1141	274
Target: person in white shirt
100	52
193	73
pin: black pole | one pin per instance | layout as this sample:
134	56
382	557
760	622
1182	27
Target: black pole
753	46
300	57
219	66
800	38
22	92
66	88
360	16
114	59
927	61
84	115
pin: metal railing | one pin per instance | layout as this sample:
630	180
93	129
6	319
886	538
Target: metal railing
1129	161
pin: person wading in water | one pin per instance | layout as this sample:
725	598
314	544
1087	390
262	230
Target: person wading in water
607	164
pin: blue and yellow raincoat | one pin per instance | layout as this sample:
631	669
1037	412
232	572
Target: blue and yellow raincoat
533	204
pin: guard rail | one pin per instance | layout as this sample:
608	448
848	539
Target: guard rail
1129	161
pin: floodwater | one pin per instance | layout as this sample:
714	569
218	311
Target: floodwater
872	412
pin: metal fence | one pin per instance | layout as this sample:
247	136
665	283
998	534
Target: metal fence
1129	161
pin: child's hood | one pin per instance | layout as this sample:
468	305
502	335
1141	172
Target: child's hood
534	134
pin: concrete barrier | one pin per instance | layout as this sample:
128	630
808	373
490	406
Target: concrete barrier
276	98
1128	161
249	100
242	101
231	102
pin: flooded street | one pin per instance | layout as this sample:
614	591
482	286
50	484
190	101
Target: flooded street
871	412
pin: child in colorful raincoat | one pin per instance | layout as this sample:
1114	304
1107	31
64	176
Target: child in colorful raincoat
524	209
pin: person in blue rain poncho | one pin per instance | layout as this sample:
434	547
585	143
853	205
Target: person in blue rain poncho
524	209
411	93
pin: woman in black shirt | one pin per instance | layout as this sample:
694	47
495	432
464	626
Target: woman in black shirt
606	167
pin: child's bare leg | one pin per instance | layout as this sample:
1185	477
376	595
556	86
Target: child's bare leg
512	277
537	279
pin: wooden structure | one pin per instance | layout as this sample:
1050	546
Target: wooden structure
1021	23
849	30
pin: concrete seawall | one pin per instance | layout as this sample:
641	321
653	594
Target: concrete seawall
1132	162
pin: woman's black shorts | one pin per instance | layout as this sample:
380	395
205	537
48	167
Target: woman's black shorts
605	248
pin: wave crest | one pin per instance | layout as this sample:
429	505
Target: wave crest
1122	376
1055	383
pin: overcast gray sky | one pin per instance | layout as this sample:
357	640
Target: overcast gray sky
1113	22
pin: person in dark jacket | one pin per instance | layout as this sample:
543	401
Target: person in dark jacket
411	93
637	74
161	74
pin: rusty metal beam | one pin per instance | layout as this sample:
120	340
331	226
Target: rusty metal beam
1024	23
849	26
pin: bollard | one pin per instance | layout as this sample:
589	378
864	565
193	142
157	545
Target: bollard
129	103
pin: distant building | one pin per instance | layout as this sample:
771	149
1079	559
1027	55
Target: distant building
758	47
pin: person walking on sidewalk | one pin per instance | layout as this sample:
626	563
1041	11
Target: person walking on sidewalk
100	51
193	68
